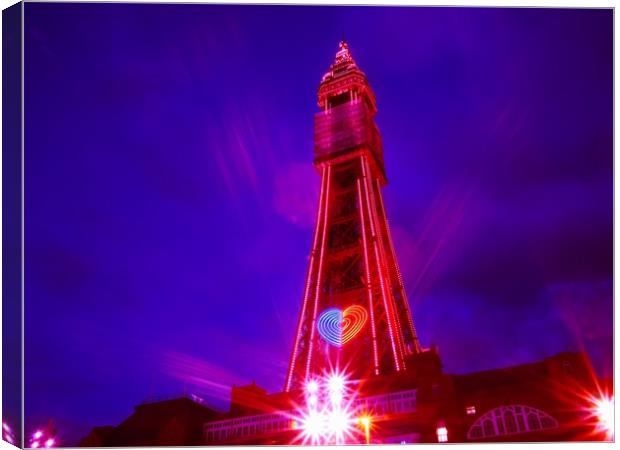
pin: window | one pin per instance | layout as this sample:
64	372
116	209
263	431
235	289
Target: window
512	419
532	421
442	434
510	422
488	428
546	422
340	99
500	427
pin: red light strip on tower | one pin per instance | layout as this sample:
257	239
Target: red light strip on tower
386	305
308	280
371	308
319	274
384	269
403	293
384	265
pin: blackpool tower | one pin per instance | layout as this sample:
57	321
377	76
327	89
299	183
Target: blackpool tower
354	315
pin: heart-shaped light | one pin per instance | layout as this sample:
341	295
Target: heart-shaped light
353	320
338	327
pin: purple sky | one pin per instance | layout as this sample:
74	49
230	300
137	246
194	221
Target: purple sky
170	194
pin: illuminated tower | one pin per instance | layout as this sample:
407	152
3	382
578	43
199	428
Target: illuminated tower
355	314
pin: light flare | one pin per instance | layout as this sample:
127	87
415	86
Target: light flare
44	437
365	422
603	410
328	416
312	387
313	426
7	433
336	383
313	400
340	425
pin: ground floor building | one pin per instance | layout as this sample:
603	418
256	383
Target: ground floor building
555	399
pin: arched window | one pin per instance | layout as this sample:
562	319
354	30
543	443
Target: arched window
510	422
488	428
546	422
510	419
533	423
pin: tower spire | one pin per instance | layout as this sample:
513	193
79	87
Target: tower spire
343	54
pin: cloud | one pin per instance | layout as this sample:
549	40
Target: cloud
212	379
586	309
296	192
425	251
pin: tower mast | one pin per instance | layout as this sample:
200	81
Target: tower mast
354	313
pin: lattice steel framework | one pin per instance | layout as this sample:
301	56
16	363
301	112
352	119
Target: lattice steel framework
352	261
